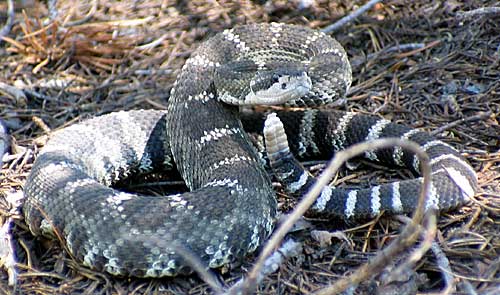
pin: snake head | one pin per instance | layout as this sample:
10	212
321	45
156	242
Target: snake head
246	83
278	87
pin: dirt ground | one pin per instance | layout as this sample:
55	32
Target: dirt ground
427	64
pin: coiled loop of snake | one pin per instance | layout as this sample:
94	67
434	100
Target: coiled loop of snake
231	206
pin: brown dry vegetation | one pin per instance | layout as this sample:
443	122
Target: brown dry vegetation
126	55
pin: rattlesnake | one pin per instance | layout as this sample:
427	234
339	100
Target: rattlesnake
231	207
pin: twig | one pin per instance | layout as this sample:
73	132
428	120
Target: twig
18	94
53	13
40	123
407	235
396	48
349	18
428	231
199	267
4	141
7	253
417	50
480	116
289	248
483	11
51	6
413	48
10	20
444	265
86	18
468	288
152	44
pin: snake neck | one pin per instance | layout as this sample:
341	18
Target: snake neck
200	125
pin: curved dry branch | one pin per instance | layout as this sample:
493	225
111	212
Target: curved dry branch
349	18
4	141
407	237
10	20
53	13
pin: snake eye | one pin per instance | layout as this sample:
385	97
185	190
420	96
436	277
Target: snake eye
275	78
283	86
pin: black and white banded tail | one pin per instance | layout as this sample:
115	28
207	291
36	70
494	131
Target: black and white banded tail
324	132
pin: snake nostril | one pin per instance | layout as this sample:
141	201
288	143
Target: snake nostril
283	86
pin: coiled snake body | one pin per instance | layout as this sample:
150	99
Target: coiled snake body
231	207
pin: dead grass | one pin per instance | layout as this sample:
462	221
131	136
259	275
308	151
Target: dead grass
127	55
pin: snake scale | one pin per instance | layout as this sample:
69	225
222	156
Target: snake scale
230	208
